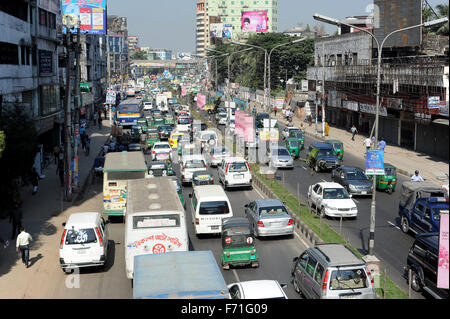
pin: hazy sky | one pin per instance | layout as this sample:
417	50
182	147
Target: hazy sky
171	23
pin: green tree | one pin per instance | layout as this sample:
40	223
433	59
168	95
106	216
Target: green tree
442	11
139	55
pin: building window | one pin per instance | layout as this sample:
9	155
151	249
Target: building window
42	17
16	8
49	98
51	20
9	53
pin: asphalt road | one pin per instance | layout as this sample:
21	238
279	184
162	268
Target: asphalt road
391	244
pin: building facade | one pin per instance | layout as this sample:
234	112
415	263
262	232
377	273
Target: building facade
117	47
133	43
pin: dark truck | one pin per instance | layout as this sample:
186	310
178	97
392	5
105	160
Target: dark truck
321	156
421	204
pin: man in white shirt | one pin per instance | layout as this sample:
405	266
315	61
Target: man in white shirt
416	177
367	142
23	243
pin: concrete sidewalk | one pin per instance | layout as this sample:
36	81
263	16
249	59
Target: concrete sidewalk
407	161
48	202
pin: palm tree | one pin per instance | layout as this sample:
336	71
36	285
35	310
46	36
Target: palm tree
442	11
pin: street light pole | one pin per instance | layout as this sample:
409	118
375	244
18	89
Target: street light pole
377	114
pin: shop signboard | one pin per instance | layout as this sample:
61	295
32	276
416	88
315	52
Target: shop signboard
350	105
372	109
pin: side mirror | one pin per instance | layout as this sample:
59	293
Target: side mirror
64	224
284	286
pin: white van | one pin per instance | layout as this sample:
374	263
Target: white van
234	172
155	221
84	242
209	205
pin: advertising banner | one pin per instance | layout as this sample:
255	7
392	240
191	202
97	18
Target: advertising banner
215	30
434	102
110	97
227	30
372	109
201	101
375	162
254	21
443	252
90	14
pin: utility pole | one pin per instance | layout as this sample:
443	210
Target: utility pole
77	110
67	125
323	92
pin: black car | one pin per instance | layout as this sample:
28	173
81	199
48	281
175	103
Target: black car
202	178
321	156
423	259
353	179
164	131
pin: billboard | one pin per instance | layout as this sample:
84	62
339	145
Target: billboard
375	162
443	252
220	30
392	15
89	14
254	21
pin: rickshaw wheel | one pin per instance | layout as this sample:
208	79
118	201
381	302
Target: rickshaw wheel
404	224
255	265
225	266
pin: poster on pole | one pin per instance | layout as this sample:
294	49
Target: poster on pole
89	14
110	97
375	162
201	101
442	277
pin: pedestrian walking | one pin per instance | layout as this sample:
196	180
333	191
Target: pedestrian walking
15	218
56	151
354	131
416	177
83	141
382	144
104	111
100	122
34	180
23	244
275	109
367	142
60	172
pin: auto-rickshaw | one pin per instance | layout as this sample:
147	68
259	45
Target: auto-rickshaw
338	148
293	147
152	137
158	121
388	181
169	119
238	243
170	171
300	138
136	131
142	122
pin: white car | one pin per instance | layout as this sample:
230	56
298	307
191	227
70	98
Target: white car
234	172
183	124
257	289
161	151
331	199
189	165
206	138
84	242
215	155
148	106
287	131
221	118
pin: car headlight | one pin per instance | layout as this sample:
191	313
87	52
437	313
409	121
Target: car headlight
352	187
354	208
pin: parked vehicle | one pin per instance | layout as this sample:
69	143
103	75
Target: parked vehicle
234	172
353	179
189	165
420	207
178	275
280	157
215	155
238	243
388	181
257	289
84	242
202	178
209	205
332	271
331	199
161	151
321	156
155	221
119	168
269	217
422	260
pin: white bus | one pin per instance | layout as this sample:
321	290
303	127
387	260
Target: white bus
155	221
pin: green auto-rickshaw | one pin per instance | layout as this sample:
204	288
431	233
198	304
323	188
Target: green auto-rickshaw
152	137
238	243
142	122
388	181
338	148
300	138
136	132
293	147
158	121
169	119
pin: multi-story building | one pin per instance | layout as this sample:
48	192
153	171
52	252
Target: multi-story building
411	76
133	43
118	46
30	32
230	12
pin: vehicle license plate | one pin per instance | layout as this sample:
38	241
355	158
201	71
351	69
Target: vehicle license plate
214	227
239	176
348	297
81	251
364	193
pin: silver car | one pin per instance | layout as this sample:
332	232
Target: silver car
280	157
215	155
269	217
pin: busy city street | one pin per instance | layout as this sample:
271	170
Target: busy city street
244	152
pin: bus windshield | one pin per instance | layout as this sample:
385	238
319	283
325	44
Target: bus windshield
129	108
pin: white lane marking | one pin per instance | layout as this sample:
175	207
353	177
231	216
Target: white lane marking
394	225
236	275
324	181
304	168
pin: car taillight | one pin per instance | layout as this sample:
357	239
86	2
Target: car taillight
228	240
260	224
100	239
371	278
197	221
291	221
226	170
248	166
325	283
206	166
62	239
154	152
